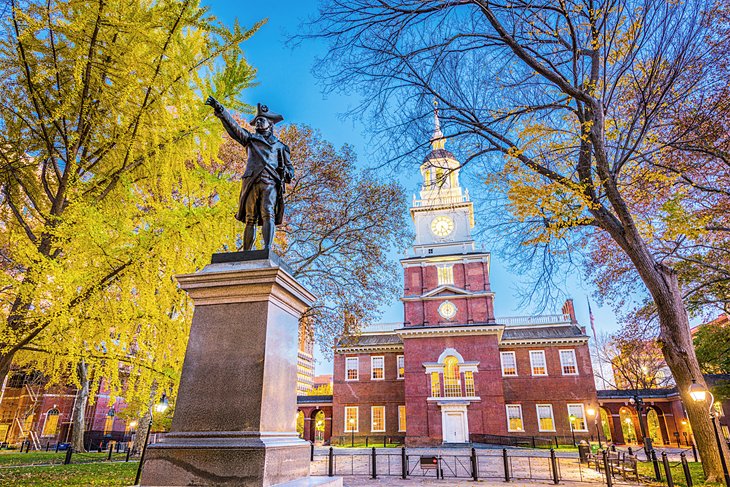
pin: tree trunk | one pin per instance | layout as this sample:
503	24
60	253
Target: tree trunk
143	425
82	399
5	360
676	343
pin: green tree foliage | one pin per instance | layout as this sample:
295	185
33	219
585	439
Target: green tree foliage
712	344
103	198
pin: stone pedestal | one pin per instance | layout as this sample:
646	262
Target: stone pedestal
235	414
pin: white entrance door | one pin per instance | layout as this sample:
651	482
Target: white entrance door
454	431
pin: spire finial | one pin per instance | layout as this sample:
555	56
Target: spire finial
437	139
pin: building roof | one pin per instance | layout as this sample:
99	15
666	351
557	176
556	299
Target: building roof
712	380
439	154
541	332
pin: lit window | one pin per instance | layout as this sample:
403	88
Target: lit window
377	419
726	432
401	367
568	362
545	420
51	424
377	368
446	274
514	418
509	363
351	419
351	368
469	384
109	422
578	417
28	423
435	385
401	418
452	382
537	362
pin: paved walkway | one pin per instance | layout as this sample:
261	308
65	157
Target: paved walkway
412	481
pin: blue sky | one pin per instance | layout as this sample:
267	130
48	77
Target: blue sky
287	86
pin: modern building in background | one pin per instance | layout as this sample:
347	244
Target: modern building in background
452	372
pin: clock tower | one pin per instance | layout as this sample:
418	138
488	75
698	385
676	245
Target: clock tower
446	278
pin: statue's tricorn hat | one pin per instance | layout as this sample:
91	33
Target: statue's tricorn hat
263	111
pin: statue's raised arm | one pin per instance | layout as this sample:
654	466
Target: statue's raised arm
237	132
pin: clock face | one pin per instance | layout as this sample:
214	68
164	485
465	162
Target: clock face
447	310
442	226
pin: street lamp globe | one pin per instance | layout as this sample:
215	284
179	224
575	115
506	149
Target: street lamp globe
591	411
163	404
697	392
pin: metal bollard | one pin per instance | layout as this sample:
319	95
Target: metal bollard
330	464
694	451
657	472
311	452
554	465
506	464
631	452
57	443
111	450
129	450
375	468
48	445
69	452
667	469
403	463
474	465
607	469
685	469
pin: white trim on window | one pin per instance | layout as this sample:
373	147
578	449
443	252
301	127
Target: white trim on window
372	419
514	407
373	359
356	416
502	355
539	417
564	364
400	363
402	420
533	366
349	361
582	416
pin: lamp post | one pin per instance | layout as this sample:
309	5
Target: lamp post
572	431
351	421
595	414
698	393
638	403
629	426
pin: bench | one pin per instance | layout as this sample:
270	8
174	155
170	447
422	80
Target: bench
618	463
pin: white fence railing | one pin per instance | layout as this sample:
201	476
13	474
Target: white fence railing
381	327
534	320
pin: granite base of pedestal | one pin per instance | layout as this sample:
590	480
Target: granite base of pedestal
225	460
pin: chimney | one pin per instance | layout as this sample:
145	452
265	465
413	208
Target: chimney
569	309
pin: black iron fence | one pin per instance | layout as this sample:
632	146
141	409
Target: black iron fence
546	442
473	464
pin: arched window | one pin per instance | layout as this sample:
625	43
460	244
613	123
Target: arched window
109	422
452	381
51	424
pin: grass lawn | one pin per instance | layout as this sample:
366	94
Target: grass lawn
99	474
646	469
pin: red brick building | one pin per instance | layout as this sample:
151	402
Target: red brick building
452	371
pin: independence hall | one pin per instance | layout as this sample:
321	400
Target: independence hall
451	372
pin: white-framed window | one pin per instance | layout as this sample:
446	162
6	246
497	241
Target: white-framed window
452	377
509	364
469	384
377	419
545	418
401	363
537	362
568	363
577	417
445	274
351	419
377	367
351	368
514	418
401	418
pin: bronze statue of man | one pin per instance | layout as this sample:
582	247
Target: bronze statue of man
268	169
